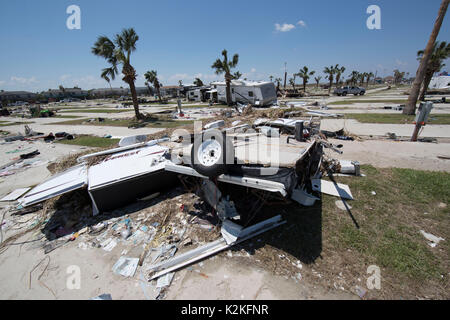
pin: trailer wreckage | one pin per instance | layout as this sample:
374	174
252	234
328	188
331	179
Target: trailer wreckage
281	159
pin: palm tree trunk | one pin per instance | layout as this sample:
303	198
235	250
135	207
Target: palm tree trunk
329	88
158	88
135	101
304	86
426	83
410	107
228	89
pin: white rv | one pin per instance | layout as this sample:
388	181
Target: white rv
440	82
259	93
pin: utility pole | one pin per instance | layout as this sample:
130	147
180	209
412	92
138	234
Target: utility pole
410	107
285	75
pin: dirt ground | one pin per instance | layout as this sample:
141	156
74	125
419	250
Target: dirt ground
396	154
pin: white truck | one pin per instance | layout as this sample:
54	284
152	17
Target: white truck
349	90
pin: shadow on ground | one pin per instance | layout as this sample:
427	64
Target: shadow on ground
73	212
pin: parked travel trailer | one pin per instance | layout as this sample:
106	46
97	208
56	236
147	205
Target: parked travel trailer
255	92
440	82
197	94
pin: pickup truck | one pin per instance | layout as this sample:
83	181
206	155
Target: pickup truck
349	90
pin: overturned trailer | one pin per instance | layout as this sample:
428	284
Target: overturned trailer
279	159
261	158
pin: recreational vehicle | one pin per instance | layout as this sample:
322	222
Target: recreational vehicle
258	93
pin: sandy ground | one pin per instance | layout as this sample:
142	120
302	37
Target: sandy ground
25	177
380	129
40	125
397	154
220	277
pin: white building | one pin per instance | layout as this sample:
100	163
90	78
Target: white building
260	93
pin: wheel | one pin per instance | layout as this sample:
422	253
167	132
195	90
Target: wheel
212	154
344	93
338	94
362	93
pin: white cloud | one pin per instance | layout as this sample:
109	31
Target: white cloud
301	23
87	82
23	80
285	27
179	76
400	63
252	70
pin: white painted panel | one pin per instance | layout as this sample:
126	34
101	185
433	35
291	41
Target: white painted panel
125	165
71	179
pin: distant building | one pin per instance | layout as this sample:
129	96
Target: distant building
378	80
17	96
170	91
66	93
143	91
108	92
389	79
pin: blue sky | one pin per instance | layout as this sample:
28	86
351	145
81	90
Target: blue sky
181	39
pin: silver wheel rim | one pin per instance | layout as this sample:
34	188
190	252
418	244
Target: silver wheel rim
209	152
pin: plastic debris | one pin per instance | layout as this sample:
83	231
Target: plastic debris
125	266
434	240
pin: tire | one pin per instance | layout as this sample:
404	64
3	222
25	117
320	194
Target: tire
362	93
344	93
213	154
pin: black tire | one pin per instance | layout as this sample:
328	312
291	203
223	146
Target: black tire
221	165
344	93
362	93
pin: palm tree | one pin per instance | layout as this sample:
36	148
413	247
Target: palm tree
339	72
410	107
104	75
119	52
152	77
198	82
278	81
271	78
369	75
330	71
224	66
237	75
317	79
305	74
398	76
292	82
180	83
440	52
354	76
150	91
